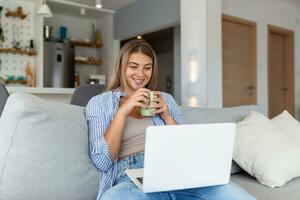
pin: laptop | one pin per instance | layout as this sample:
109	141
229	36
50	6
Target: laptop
185	156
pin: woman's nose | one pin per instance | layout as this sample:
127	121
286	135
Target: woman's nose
140	72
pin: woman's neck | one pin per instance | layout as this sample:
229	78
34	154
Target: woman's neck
128	93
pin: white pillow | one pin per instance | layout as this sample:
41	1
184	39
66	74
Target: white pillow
288	124
265	152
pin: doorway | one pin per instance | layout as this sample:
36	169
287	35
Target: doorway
239	61
280	70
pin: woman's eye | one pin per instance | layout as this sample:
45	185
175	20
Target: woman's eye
133	66
148	68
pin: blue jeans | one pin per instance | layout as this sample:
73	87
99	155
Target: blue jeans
124	188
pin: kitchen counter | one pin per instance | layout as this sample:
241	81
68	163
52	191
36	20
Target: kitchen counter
41	90
61	95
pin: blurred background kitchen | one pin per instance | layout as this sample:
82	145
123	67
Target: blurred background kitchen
59	45
211	53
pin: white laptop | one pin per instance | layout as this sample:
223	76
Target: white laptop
185	156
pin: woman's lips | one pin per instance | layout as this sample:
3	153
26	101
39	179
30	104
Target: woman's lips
138	81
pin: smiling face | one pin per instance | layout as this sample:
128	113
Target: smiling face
138	72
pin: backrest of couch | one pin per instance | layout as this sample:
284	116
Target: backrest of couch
194	115
83	94
3	97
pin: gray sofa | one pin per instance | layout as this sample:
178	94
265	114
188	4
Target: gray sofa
80	178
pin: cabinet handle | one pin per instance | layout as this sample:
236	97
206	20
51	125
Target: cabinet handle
250	88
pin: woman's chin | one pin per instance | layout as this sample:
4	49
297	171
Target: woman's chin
135	87
138	87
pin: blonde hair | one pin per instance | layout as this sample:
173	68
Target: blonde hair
133	46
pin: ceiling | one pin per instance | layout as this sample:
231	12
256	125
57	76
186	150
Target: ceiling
108	4
116	4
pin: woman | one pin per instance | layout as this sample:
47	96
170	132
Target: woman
117	129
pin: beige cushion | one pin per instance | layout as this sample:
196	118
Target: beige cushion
289	125
264	151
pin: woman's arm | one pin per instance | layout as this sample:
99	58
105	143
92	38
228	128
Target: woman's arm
173	108
104	136
98	122
168	109
105	132
113	135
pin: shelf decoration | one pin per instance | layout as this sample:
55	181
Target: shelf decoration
23	82
86	43
18	51
30	75
12	79
18	13
17	23
88	62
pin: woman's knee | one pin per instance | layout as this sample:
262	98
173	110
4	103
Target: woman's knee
222	192
234	192
125	190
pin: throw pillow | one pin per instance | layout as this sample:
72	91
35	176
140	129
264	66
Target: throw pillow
289	125
265	152
44	151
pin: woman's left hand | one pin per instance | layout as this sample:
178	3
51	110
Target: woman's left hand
161	106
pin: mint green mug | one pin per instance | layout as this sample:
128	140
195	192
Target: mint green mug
149	112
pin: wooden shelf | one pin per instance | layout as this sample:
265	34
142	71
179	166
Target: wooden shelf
24	82
86	44
18	51
88	62
18	13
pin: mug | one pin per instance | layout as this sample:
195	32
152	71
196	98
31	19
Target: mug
149	112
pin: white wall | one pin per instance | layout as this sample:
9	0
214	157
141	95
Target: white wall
145	16
193	53
107	51
214	54
177	65
273	12
38	40
201	67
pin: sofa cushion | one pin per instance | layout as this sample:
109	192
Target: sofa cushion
289	125
265	152
44	151
289	191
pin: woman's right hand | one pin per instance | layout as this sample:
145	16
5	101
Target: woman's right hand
140	99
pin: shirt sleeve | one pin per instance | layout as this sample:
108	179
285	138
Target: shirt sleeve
98	122
173	108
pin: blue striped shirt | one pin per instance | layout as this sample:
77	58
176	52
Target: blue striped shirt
100	112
